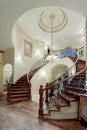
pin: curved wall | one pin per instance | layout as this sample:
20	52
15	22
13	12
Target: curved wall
45	74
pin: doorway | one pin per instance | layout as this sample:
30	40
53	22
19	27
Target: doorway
7	75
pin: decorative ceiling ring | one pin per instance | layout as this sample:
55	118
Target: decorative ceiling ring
59	19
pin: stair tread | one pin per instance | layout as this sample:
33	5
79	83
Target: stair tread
16	95
63	103
68	97
19	99
20	85
75	88
73	92
18	90
56	104
15	92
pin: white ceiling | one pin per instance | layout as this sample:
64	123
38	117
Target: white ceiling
10	10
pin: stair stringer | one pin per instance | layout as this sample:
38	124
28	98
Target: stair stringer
70	112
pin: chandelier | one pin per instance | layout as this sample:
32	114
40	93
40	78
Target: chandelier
52	20
51	56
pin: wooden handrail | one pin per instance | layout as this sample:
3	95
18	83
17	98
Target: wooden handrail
37	62
81	71
36	68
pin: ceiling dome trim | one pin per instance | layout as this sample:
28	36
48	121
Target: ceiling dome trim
59	19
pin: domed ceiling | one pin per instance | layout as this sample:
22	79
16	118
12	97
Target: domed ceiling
52	19
65	26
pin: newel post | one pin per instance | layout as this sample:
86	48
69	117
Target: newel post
46	93
8	92
30	97
40	111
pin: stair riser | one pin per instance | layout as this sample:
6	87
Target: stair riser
61	116
70	112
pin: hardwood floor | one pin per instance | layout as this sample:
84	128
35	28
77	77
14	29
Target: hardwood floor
23	116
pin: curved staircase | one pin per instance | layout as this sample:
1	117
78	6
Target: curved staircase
21	90
64	103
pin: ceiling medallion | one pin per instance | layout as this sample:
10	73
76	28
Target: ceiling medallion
59	17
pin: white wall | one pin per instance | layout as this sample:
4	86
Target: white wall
44	75
23	63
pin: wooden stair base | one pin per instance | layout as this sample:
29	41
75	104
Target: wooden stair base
20	91
13	101
69	98
69	112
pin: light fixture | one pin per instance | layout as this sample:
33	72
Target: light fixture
52	20
51	56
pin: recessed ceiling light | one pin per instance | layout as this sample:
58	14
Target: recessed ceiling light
21	20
